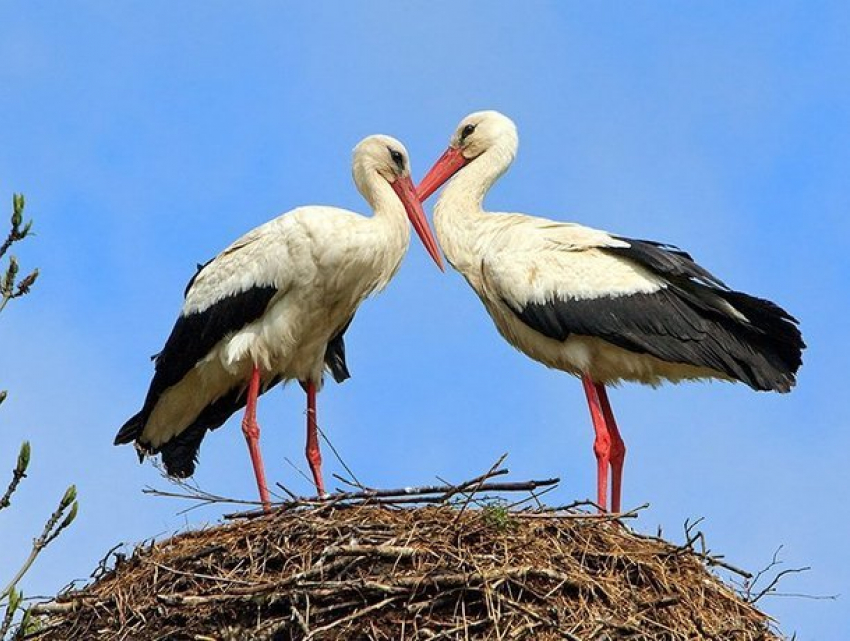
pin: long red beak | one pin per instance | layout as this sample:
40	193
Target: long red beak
446	167
406	192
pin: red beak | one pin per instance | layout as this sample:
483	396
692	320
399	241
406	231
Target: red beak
446	167
406	192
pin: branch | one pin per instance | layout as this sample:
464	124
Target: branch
477	483
707	557
399	495
430	494
17	232
52	529
12	607
18	474
9	288
770	589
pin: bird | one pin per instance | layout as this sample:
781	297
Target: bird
274	306
602	307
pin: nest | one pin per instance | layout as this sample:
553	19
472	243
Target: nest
365	571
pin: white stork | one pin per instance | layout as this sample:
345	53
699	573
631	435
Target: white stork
601	307
273	307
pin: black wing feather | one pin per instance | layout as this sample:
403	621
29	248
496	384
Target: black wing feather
194	335
664	259
191	339
685	322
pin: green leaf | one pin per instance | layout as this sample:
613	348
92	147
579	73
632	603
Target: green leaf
23	458
17	210
69	497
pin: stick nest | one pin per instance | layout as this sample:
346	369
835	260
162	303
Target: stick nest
382	573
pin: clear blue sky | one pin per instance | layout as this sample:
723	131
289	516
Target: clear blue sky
148	135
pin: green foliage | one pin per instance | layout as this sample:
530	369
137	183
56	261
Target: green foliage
11	597
497	515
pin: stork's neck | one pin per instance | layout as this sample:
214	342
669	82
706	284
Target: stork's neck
389	226
458	213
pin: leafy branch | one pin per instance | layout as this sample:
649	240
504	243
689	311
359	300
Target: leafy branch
67	512
11	596
10	286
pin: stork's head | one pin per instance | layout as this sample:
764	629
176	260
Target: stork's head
480	134
383	155
384	159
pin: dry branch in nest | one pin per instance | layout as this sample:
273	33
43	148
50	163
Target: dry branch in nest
356	570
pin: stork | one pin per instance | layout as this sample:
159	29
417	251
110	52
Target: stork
602	307
272	307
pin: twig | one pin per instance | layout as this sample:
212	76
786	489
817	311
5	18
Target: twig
337	454
10	287
400	494
350	483
591	516
476	483
53	607
438	581
801	595
289	493
708	558
198	575
493	471
391	551
196	494
352	616
298	469
771	587
18	474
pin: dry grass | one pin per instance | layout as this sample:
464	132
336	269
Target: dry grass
436	572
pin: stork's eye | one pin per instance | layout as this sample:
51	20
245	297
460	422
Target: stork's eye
397	157
466	132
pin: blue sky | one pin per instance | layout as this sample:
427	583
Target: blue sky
148	135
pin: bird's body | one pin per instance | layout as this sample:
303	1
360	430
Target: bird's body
272	306
599	306
583	301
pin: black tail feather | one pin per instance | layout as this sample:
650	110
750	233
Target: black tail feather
777	336
180	454
335	355
764	351
131	430
335	360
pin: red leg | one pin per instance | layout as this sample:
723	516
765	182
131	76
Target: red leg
252	436
314	456
602	443
618	448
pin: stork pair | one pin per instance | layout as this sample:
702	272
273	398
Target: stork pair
275	305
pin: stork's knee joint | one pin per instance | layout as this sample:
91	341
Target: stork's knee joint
251	430
602	446
618	450
314	456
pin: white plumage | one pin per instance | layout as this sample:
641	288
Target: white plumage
273	306
599	306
